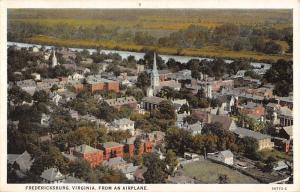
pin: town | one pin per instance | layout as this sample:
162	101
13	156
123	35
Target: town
82	116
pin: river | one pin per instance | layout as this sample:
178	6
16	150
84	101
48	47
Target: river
138	55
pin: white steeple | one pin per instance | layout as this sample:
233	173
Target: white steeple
154	74
54	60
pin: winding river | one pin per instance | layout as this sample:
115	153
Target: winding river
137	55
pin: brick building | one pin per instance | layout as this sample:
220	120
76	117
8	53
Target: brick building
96	83
112	149
90	154
253	109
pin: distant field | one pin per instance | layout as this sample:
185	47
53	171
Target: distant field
209	172
164	19
209	51
48	25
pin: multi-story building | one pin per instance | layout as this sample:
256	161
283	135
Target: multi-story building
112	149
122	125
90	154
96	83
122	101
263	140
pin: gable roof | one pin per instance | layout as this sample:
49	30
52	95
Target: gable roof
153	100
24	160
84	149
288	130
226	153
286	111
111	144
242	132
225	121
121	101
52	174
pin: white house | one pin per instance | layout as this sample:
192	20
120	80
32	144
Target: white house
225	157
45	119
52	175
36	76
123	125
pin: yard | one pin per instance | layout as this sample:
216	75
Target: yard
209	172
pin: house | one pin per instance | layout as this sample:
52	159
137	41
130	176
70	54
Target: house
55	98
180	119
122	125
138	175
112	149
129	171
23	162
177	103
36	76
74	114
164	74
225	121
195	128
171	83
156	137
286	132
122	101
28	85
280	165
225	157
263	140
285	116
115	162
45	119
92	155
150	103
286	101
52	175
252	108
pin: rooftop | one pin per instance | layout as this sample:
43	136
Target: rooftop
227	153
154	100
286	111
111	144
123	121
121	101
242	132
84	149
52	174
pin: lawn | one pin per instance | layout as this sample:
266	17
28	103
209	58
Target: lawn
209	172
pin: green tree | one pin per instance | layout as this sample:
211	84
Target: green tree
143	80
171	161
155	169
40	96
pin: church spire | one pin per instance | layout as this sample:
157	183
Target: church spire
154	63
54	60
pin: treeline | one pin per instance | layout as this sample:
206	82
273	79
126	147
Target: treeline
228	36
232	37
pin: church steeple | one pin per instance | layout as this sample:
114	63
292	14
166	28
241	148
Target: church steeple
154	64
54	59
154	74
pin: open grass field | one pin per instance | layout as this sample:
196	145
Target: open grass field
49	27
208	172
209	51
162	19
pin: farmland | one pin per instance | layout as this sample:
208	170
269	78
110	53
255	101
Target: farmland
183	32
